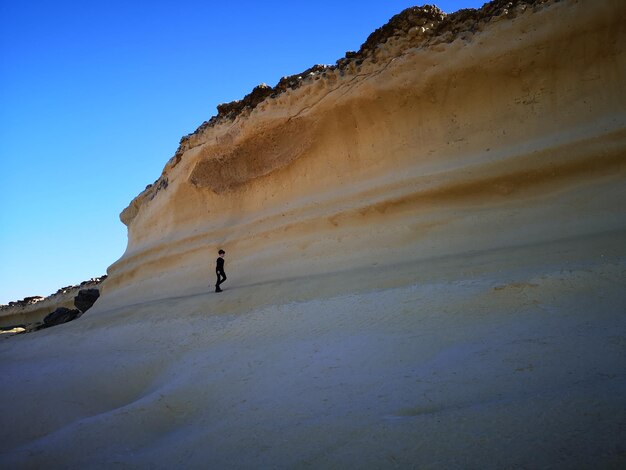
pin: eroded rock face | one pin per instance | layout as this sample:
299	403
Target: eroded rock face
225	167
442	134
415	26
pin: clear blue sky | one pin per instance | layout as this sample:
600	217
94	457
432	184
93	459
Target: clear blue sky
94	97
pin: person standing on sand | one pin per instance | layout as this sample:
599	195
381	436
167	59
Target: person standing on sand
219	270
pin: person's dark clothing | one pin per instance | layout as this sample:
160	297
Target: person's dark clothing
219	271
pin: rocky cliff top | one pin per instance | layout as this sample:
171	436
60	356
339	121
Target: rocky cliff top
94	281
413	27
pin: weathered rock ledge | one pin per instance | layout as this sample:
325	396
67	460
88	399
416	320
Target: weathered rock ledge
415	27
30	313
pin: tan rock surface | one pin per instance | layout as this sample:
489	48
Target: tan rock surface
426	260
491	141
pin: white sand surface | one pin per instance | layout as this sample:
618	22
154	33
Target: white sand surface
450	363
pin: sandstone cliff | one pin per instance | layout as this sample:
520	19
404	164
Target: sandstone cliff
426	256
443	134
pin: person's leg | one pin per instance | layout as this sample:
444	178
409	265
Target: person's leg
221	277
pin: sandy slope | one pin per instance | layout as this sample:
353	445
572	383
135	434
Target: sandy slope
426	258
453	363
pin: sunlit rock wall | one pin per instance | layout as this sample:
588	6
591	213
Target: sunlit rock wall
444	135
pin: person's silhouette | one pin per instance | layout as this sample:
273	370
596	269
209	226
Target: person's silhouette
219	270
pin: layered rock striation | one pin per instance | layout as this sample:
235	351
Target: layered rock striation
443	134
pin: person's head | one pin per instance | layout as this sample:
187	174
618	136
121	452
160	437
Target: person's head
221	253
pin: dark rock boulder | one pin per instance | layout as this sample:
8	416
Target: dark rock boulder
59	316
85	299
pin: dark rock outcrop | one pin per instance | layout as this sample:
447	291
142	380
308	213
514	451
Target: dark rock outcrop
59	316
85	299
